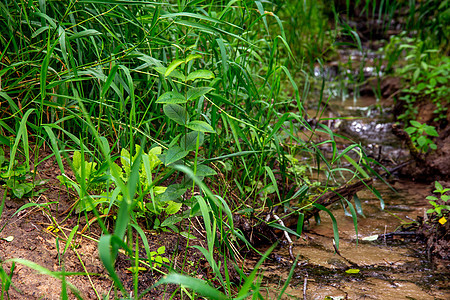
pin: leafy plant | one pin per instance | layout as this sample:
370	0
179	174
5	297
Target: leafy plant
19	180
203	83
420	135
161	197
428	75
439	204
157	258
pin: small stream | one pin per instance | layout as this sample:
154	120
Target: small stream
392	268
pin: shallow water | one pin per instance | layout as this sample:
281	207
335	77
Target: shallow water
391	268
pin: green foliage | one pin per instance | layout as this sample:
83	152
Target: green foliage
307	30
162	198
426	74
18	179
157	257
202	82
419	54
420	136
439	204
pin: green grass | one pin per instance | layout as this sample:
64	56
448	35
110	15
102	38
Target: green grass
135	95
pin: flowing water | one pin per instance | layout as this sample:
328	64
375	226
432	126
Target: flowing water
390	268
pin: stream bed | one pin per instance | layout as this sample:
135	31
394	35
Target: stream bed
391	268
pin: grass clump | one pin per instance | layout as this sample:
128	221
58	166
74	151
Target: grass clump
148	102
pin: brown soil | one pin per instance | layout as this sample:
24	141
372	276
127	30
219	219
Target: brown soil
436	236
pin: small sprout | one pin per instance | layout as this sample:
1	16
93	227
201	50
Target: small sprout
157	258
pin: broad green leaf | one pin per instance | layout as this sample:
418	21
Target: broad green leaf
191	57
173	65
176	113
421	140
416	74
153	157
430	130
352	271
415	123
18	191
172	220
438	186
171	97
442	80
197	92
204	171
125	159
175	73
174	154
410	130
173	193
433	82
200	126
173	207
421	86
189	141
200	74
89	168
161	70
76	160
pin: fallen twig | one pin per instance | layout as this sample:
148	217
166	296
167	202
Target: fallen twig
286	234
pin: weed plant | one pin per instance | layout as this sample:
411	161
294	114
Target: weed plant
136	94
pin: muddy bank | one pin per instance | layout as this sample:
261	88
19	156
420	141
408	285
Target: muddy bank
394	267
